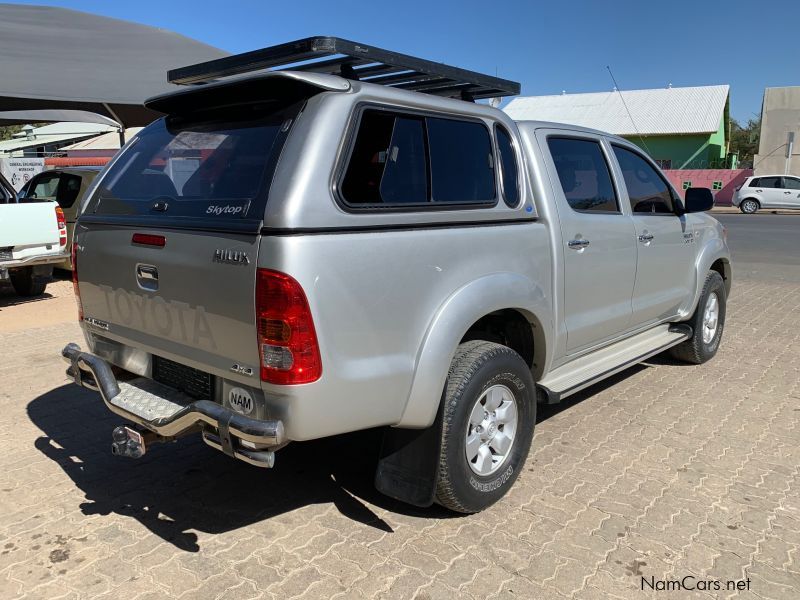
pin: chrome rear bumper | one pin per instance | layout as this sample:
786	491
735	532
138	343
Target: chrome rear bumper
169	413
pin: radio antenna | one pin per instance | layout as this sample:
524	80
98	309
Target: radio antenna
630	116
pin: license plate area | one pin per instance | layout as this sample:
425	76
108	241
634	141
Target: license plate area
192	382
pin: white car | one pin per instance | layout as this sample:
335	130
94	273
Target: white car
33	237
768	191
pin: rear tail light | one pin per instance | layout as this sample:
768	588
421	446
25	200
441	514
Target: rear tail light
62	226
75	279
287	340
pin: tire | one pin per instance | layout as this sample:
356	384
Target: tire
749	206
703	345
25	284
484	372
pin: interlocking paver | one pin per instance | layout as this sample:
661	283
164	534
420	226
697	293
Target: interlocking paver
664	471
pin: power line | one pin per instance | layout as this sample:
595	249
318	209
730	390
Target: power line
616	87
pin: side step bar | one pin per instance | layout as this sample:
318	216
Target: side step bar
596	366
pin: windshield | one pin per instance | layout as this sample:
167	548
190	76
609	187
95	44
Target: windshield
217	165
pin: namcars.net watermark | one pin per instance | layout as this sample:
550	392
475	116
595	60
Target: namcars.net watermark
690	583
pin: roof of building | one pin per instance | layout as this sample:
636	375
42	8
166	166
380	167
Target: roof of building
107	141
666	111
50	134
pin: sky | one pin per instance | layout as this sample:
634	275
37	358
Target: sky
549	47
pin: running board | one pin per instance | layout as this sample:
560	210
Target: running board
596	366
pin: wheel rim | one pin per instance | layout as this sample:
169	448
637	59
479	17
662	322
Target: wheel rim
710	318
491	430
749	206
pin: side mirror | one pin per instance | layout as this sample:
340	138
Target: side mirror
698	200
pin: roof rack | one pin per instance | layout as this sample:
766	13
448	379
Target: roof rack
353	61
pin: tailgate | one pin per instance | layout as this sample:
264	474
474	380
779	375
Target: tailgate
179	301
29	225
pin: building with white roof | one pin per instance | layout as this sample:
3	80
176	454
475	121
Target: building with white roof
680	127
48	139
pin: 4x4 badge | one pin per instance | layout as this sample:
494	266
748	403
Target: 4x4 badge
234	257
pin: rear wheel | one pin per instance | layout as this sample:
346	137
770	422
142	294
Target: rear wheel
488	420
26	283
707	323
749	206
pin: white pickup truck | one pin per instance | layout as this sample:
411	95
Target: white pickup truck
33	237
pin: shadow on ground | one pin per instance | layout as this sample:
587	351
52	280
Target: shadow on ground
185	485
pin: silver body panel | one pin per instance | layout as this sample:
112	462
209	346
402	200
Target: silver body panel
392	293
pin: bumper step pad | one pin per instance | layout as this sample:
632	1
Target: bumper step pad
150	400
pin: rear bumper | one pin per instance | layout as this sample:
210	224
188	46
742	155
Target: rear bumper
32	261
170	414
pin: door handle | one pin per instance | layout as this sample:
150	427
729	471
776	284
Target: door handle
147	272
787	192
646	237
578	244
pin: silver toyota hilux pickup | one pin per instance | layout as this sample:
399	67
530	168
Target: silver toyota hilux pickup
353	242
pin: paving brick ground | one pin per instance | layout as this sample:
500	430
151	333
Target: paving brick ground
664	472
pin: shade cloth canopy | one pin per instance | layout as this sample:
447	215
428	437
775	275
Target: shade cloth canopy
59	59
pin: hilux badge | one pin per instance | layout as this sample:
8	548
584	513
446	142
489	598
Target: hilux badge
235	257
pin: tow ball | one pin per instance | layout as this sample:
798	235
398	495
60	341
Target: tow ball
131	443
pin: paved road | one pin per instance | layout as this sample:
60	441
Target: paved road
764	246
666	472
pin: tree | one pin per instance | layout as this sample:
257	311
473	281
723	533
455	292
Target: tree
744	140
7	132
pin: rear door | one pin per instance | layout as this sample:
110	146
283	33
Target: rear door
791	192
769	191
599	239
168	242
665	241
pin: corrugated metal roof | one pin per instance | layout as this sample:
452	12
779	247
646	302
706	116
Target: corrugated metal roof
107	141
663	111
50	134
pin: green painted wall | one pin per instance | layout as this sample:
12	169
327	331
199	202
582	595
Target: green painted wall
701	151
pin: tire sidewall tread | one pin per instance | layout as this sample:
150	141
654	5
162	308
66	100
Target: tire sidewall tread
477	366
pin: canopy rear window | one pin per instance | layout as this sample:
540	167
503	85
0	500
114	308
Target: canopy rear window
215	164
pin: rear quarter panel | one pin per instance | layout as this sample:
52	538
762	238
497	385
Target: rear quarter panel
374	297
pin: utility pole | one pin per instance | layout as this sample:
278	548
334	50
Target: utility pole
789	149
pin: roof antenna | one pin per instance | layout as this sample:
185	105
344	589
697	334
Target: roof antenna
616	87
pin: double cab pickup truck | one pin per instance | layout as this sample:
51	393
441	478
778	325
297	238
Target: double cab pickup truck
33	238
353	243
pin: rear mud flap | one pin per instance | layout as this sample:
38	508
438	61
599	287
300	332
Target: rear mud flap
409	463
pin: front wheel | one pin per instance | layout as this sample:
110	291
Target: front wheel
707	323
749	206
488	420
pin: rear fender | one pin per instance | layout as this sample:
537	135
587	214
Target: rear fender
464	307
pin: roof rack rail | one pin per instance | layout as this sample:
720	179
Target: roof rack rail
353	61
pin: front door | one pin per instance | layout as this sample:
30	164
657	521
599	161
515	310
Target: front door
665	242
599	242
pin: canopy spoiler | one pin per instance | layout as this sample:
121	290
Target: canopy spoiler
280	87
352	60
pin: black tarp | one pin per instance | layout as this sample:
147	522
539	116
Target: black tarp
60	59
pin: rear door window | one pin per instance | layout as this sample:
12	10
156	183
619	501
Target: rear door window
407	160
216	165
584	174
769	182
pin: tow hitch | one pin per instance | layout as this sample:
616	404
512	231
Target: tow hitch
131	443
